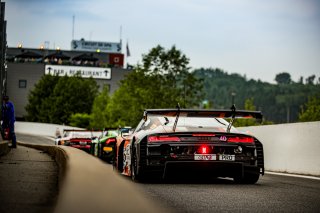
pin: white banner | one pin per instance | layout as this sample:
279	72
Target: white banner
84	72
93	46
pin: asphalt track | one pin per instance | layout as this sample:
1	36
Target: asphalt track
273	193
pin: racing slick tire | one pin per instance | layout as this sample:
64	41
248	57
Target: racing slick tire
100	150
249	178
136	175
92	148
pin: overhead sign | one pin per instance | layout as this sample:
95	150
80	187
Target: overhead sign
84	72
93	46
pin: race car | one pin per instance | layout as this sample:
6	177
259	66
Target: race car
102	147
190	142
80	139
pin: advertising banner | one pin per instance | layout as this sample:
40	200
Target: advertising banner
85	72
93	46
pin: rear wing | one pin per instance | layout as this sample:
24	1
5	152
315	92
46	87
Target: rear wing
74	130
232	114
204	113
82	130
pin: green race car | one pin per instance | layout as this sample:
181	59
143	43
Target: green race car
103	146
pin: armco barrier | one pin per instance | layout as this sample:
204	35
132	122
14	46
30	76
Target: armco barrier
291	148
86	184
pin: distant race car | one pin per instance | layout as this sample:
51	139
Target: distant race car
80	139
190	142
102	147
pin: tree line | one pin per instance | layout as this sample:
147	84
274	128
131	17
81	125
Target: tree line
162	80
280	103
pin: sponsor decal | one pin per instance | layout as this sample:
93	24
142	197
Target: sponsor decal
223	138
108	47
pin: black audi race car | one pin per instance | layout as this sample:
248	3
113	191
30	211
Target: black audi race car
187	141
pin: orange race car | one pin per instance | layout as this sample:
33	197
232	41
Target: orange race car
190	142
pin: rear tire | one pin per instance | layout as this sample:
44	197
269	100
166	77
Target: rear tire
135	174
119	160
100	150
249	178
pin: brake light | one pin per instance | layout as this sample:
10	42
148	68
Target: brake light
240	139
110	140
204	149
206	135
163	138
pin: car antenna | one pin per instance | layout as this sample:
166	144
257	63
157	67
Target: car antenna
177	118
233	116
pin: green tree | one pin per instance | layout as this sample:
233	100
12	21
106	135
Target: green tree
311	111
38	107
72	95
162	81
54	99
279	103
249	105
176	81
283	78
99	116
310	79
80	120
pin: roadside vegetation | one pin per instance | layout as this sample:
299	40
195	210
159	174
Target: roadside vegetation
164	79
55	99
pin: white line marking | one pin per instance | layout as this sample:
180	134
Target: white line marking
294	175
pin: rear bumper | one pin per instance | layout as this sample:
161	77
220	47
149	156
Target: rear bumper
85	147
201	168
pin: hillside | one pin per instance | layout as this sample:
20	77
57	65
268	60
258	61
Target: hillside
280	103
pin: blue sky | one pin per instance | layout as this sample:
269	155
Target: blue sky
255	38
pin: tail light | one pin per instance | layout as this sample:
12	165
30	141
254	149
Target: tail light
163	138
65	142
240	139
110	140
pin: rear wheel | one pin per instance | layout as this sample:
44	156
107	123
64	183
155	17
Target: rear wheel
249	178
119	160
100	150
135	173
93	149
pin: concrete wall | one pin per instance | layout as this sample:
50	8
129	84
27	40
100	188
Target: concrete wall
98	188
28	72
43	129
291	148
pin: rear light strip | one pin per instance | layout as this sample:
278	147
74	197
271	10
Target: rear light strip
167	138
159	138
240	139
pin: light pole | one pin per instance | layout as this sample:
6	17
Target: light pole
233	94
